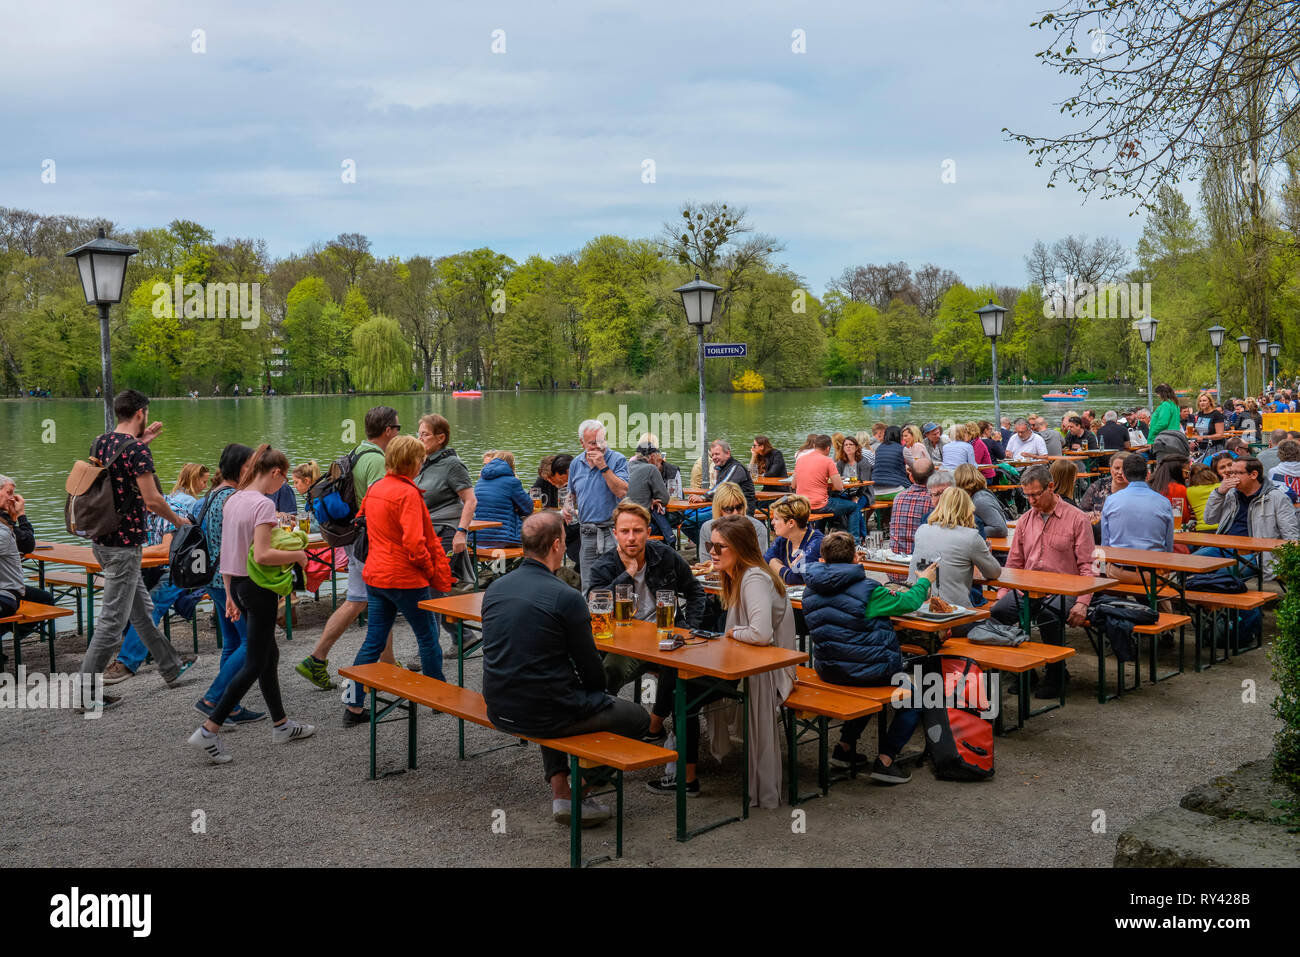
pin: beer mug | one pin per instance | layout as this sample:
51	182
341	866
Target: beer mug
536	495
601	605
304	522
1178	514
665	613
624	604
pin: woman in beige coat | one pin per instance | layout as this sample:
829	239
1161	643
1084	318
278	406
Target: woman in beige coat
758	613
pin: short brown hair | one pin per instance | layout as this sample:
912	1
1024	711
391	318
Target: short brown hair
539	532
379	419
838	548
793	508
404	455
632	508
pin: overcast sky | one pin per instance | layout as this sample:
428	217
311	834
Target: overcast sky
837	152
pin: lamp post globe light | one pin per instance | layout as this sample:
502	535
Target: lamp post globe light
1274	350
102	265
991	319
698	298
1216	339
1262	345
1243	343
1147	331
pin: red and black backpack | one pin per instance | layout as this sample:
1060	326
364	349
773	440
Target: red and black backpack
959	741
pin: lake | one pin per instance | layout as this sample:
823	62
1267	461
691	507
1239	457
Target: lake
47	435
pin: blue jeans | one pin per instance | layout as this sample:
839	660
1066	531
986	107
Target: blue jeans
900	730
692	522
133	651
233	647
847	508
384	604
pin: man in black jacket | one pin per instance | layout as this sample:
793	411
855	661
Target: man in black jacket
648	567
725	469
542	675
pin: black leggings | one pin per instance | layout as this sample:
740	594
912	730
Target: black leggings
694	686
258	606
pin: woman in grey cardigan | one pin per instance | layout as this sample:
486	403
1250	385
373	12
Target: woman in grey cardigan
949	540
970	480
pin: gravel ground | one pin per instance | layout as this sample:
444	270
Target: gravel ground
122	790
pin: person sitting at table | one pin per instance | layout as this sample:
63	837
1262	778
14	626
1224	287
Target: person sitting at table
1051	537
817	479
649	567
1051	438
1136	516
914	445
934	441
796	545
890	469
17	538
1078	438
1065	474
1201	480
758	613
983	457
1112	434
728	499
765	461
957	450
877	436
725	469
991	436
542	674
1247	503
645	487
1286	475
500	497
949	540
807	446
911	506
987	508
552	480
1025	443
1169	479
853	643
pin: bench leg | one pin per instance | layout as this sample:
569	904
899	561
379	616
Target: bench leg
374	726
823	754
460	681
49	637
792	748
618	813
744	767
411	737
575	812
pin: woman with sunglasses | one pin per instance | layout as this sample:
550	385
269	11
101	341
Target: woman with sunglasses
796	546
758	613
728	499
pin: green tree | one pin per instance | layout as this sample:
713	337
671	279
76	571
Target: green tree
381	356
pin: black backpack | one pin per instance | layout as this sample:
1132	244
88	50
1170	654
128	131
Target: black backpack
190	559
1115	618
333	499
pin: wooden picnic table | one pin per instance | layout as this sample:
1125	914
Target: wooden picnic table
31	613
724	659
59	553
1238	545
461	608
1164	568
772	481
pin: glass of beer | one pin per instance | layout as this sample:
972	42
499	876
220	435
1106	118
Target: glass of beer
601	605
1178	514
536	495
665	612
304	522
624	604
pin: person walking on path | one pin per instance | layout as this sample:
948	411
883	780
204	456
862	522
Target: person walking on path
125	453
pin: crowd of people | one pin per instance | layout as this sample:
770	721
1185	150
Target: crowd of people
594	518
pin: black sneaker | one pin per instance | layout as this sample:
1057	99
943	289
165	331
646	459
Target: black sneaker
849	759
351	718
656	737
669	786
889	775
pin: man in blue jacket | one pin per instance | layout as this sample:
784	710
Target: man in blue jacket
854	644
542	675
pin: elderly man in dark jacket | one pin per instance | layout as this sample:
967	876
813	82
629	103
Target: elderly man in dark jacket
648	567
854	644
542	675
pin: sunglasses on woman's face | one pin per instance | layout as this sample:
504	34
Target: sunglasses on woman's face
729	509
715	548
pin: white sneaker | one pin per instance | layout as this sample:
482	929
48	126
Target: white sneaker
291	730
592	813
211	746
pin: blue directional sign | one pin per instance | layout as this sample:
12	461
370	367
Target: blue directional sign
725	350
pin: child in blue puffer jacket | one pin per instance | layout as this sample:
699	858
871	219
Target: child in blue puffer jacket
501	498
854	644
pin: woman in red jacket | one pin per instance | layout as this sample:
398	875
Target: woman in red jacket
405	566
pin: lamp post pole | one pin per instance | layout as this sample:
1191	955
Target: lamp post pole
1263	367
704	429
1243	343
997	405
1217	333
991	319
698	298
106	362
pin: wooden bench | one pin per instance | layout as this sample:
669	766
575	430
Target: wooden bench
597	749
810	708
487	554
1213	602
63	584
1166	622
32	613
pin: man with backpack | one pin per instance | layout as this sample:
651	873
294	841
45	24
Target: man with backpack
124	454
366	462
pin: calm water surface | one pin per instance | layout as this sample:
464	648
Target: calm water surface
531	425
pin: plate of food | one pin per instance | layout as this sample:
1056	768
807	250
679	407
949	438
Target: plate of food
936	609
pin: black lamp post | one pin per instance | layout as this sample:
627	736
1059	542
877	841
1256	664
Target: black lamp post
1243	343
102	264
1147	331
698	298
1216	339
1274	349
1262	345
991	318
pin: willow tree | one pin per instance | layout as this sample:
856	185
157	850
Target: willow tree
381	358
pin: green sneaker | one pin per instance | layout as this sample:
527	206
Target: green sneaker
317	672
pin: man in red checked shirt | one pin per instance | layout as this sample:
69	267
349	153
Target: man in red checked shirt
1052	536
